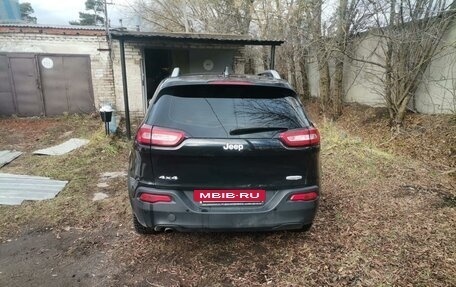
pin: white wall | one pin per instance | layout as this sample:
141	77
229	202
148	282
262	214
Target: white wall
362	81
435	95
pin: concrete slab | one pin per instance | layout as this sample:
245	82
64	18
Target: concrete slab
102	184
99	196
63	148
7	156
16	188
112	175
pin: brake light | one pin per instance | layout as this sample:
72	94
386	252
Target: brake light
166	137
308	196
158	136
143	136
301	137
235	83
155	198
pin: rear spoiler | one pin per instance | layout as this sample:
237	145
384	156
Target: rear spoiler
273	74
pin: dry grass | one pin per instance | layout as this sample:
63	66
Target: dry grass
385	219
382	222
73	206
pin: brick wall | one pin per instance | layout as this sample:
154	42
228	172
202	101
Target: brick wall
66	41
133	59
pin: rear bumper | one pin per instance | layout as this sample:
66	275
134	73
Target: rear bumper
183	214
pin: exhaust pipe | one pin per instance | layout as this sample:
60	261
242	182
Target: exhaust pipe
157	228
168	230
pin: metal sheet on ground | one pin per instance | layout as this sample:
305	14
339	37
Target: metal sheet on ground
14	188
63	148
7	156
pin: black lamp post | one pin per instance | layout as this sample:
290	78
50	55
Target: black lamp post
106	116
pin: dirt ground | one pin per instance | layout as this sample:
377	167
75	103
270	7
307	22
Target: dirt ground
387	215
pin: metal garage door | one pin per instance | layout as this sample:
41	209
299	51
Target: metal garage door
26	86
19	86
66	84
36	85
7	106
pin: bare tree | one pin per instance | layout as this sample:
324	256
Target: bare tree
223	16
409	35
285	20
165	15
318	45
332	35
349	20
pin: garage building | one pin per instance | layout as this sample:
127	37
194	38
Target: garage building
53	70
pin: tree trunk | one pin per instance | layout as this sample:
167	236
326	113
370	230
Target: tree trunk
305	78
338	90
320	49
325	84
298	75
389	66
290	76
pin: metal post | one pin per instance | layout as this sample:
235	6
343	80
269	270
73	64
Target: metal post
107	128
272	63
106	24
125	88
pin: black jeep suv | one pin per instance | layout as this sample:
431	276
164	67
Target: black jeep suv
224	153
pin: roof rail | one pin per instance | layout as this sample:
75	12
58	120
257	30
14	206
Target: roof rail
175	73
270	74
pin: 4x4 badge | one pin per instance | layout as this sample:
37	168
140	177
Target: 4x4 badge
293	177
237	147
168	177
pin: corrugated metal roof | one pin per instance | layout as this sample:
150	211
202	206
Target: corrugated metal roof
16	188
194	37
188	37
65	27
6	156
63	148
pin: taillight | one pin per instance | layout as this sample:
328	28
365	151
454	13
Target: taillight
301	137
155	198
307	196
144	134
166	137
149	135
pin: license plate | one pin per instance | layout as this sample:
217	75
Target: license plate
230	197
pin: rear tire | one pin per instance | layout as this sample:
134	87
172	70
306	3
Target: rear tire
306	227
141	229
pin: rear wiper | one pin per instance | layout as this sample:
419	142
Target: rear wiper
256	130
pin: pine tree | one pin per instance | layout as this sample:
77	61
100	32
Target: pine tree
93	16
26	12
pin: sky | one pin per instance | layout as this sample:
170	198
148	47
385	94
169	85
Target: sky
60	12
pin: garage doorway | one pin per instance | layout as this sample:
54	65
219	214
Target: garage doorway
158	65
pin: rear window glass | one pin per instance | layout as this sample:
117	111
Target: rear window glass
215	111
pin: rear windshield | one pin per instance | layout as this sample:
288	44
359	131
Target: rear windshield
227	111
